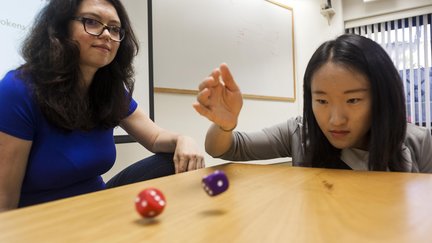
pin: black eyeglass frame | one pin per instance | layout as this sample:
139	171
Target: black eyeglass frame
83	20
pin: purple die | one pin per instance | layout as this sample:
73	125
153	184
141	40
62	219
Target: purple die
215	183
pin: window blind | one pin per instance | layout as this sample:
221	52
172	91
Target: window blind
408	42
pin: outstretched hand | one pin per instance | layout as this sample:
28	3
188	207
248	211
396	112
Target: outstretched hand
219	98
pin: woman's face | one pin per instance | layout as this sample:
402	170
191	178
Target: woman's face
341	103
95	51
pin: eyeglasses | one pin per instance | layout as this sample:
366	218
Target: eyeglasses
96	28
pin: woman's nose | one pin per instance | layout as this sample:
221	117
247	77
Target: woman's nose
105	34
338	116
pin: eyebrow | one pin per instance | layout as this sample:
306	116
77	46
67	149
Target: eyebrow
112	21
350	91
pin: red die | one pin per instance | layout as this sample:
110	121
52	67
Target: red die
150	202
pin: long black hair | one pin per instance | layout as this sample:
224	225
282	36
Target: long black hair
388	125
52	71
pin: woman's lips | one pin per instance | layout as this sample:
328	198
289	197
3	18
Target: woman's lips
339	133
103	47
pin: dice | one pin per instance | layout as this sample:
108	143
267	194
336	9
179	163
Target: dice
150	202
215	183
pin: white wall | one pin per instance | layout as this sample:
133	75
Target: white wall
175	112
355	9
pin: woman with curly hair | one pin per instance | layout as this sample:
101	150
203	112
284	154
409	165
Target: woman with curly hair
60	107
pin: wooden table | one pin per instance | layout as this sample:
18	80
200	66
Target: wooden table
264	203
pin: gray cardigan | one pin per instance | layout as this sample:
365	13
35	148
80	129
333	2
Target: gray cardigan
284	140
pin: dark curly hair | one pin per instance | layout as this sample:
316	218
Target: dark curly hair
52	71
388	125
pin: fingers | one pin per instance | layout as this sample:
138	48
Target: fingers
202	110
228	78
215	79
201	164
213	101
203	97
203	103
192	163
196	162
180	164
176	165
206	83
188	163
211	81
209	86
216	76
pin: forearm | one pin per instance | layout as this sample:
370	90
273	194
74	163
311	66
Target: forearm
165	142
8	202
217	141
14	153
10	186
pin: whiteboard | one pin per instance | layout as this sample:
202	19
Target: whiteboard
16	20
254	37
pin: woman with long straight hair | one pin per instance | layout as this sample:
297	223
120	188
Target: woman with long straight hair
354	115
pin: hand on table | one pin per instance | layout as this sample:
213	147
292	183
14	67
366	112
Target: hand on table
187	155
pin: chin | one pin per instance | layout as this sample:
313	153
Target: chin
340	145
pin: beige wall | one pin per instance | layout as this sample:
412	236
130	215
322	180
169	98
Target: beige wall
359	13
175	112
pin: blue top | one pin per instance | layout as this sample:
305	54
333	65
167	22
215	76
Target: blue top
61	164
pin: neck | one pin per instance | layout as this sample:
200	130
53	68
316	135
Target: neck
87	75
